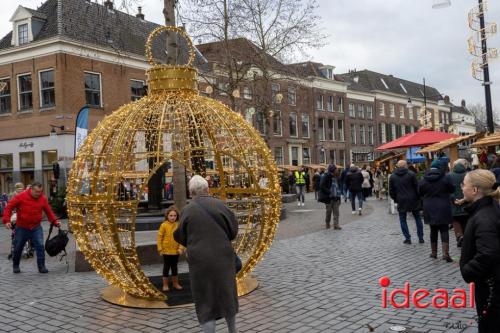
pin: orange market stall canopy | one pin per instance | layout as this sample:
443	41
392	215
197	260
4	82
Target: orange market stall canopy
423	137
451	144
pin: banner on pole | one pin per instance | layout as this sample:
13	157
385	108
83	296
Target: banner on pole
82	127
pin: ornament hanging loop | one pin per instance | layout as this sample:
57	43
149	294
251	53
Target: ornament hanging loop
181	32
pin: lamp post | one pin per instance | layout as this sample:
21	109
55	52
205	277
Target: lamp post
440	102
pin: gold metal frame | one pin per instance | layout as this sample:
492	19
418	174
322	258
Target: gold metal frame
172	123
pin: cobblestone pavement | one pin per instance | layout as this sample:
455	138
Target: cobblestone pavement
321	281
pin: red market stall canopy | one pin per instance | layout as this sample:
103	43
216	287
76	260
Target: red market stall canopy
420	138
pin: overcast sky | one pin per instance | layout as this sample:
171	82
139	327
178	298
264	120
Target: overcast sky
405	38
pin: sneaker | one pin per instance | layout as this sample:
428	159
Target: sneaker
337	227
353	212
407	241
43	269
16	270
421	241
328	226
303	204
359	210
298	204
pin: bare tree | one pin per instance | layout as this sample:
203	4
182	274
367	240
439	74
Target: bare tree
279	31
478	111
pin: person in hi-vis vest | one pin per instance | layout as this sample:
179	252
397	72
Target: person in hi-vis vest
300	184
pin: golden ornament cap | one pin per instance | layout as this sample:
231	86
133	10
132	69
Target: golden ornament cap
170	77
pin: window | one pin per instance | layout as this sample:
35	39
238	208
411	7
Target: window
381	109
5	106
361	111
319	102
322	155
353	134
331	130
340	130
277	123
295	155
398	131
292	96
93	89
321	129
306	157
329	104
27	159
22	33
403	130
305	125
381	133
388	132
403	87
137	90
249	112
412	128
222	87
407	129
385	84
393	131
25	92
362	134
247	93
410	113
342	157
370	135
49	157
278	155
340	104
332	156
275	89
260	122
392	110
401	112
47	94
293	124
352	111
6	161
369	112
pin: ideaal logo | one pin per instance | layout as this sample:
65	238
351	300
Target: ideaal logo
439	298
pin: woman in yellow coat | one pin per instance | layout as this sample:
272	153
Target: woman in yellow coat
169	248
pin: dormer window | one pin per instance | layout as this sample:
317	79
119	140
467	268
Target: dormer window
327	71
22	33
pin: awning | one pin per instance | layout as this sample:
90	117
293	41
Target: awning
489	140
423	137
385	158
448	143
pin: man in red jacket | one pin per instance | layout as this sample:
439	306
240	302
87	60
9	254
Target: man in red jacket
29	206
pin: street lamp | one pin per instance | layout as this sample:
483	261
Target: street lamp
440	102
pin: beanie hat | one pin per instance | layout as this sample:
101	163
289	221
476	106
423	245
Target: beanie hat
331	168
436	164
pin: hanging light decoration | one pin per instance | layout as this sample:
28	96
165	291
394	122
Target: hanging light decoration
172	123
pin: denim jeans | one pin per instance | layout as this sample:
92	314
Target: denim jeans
300	192
359	195
404	225
21	237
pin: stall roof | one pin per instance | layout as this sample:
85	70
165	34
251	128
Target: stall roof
489	140
448	143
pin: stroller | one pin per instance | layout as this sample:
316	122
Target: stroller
28	251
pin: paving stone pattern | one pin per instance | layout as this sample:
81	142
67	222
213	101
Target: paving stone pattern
321	281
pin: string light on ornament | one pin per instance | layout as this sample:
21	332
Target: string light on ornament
172	123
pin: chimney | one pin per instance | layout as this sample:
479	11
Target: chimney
447	99
139	14
463	103
108	4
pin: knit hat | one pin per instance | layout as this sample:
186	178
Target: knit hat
436	164
331	168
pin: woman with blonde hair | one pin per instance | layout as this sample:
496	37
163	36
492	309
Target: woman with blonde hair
480	259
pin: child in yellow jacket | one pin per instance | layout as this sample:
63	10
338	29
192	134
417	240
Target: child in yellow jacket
169	248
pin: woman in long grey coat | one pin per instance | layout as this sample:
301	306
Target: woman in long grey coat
207	227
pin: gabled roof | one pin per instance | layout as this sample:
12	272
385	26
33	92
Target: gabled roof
311	69
90	23
36	13
366	80
460	109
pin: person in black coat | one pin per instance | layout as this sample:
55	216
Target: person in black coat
207	227
330	195
435	188
403	189
316	180
480	259
354	180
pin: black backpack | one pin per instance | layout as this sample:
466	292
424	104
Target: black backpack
56	244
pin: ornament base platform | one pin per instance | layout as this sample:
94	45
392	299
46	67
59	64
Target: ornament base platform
175	298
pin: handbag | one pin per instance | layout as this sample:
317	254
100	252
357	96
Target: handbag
56	244
237	261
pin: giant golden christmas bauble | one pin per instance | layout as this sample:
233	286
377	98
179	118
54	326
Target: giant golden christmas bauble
172	123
